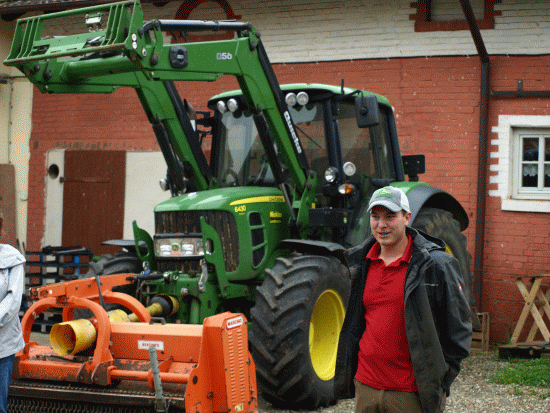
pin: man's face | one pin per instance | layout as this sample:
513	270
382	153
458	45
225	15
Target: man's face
388	227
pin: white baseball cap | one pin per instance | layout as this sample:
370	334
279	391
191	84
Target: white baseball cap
392	198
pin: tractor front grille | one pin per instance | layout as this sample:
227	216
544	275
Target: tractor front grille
188	222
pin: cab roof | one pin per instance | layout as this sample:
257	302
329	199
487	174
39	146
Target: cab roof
311	87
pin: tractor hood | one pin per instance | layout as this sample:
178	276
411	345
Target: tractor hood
221	199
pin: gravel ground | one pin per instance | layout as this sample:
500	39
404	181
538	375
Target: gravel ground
472	392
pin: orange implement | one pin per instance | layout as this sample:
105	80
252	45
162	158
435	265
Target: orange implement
202	368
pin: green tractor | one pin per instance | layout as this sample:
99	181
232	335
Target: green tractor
260	226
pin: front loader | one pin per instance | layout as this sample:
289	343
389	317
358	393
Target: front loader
260	226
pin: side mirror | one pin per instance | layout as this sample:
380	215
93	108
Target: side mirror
367	111
413	165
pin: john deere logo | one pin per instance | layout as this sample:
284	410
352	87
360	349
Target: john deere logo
384	193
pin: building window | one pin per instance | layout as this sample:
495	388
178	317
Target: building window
532	164
522	170
447	15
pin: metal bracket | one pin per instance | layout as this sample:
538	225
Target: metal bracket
204	276
520	92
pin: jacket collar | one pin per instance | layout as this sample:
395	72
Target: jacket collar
421	241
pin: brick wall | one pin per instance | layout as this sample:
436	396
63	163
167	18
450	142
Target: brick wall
436	104
518	243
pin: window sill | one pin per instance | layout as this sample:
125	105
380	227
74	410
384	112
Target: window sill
526	205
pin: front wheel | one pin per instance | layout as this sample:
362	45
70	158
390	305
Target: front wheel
442	225
296	324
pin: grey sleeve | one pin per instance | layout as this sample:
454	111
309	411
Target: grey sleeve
10	304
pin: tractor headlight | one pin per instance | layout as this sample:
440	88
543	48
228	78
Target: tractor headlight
290	99
330	174
302	98
221	106
232	105
179	247
164	184
350	169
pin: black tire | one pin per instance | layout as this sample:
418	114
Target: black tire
301	301
120	263
441	224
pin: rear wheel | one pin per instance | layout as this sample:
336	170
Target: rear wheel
442	225
296	323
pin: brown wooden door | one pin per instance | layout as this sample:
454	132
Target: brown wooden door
7	204
93	199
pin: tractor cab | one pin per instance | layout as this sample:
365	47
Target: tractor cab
349	141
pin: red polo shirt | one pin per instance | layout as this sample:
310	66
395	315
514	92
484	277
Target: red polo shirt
384	359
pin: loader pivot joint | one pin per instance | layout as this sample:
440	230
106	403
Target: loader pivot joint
178	57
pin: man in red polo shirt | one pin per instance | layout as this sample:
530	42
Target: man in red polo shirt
407	325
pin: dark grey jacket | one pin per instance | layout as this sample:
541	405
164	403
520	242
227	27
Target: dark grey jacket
437	319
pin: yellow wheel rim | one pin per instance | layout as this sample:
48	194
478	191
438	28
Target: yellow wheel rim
324	330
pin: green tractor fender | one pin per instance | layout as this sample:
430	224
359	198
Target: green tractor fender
438	213
311	247
429	197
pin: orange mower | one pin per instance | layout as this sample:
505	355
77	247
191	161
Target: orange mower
119	362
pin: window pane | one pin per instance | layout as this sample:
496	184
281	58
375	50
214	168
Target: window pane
547	176
357	143
529	176
547	150
242	156
310	125
531	149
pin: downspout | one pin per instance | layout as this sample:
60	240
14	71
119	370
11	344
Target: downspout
483	150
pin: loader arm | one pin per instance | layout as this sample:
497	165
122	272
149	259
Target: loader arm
131	53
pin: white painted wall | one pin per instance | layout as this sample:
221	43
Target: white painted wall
15	128
143	173
53	225
326	30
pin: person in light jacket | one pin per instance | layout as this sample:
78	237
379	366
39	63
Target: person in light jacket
11	336
407	325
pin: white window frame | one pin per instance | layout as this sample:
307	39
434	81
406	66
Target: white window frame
518	191
508	155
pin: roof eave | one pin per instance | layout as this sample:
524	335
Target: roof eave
8	8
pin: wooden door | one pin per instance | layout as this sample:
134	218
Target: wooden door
93	199
7	204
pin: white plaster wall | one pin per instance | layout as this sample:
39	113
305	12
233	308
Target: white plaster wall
54	199
326	30
143	173
15	128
